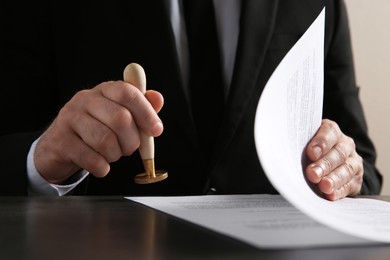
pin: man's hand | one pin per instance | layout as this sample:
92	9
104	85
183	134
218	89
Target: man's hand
336	167
97	127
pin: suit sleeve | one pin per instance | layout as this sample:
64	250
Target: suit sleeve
341	94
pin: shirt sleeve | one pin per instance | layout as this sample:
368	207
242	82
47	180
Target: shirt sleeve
38	186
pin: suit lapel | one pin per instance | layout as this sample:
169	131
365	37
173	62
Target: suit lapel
256	27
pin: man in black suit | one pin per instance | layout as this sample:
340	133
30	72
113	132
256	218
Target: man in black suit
61	71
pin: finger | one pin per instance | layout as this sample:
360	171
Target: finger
342	175
155	98
331	160
97	136
339	193
142	111
69	154
326	137
349	189
119	120
86	157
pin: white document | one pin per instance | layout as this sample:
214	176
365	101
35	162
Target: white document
288	115
264	221
295	95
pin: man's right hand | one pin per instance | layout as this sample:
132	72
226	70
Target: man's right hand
97	127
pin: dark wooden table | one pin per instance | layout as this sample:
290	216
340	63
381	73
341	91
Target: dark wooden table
116	228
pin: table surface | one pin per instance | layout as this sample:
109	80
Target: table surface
116	228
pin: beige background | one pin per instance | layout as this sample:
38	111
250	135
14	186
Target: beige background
370	31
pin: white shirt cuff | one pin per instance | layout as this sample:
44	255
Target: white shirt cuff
37	185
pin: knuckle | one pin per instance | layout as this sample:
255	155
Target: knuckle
107	146
350	141
321	141
334	128
337	179
123	93
93	162
130	94
81	95
327	164
359	160
149	118
346	189
66	113
134	145
331	124
341	150
75	105
350	170
132	142
360	178
104	139
342	192
121	118
356	183
105	84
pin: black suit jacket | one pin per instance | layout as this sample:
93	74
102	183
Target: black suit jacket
52	49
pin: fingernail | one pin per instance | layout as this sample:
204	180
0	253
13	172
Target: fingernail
317	151
318	171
